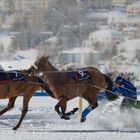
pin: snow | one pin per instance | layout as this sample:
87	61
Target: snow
130	29
116	16
80	50
42	122
104	33
73	66
21	60
105	122
101	15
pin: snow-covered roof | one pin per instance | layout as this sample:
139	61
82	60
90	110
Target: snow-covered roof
99	15
107	32
116	16
130	29
80	50
52	39
104	27
135	4
133	20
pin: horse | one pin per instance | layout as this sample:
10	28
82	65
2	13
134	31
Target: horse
15	83
66	85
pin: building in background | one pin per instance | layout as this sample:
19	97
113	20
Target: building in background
83	55
24	5
106	38
133	10
84	3
2	3
121	5
102	4
30	14
131	33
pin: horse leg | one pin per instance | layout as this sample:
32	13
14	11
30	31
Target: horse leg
62	103
92	105
72	112
24	111
63	109
9	106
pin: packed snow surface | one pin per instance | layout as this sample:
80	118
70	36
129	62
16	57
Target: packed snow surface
42	122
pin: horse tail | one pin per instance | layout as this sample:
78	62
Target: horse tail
110	95
45	86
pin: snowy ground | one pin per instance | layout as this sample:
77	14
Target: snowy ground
42	122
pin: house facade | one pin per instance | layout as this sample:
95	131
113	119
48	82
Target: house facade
106	37
133	10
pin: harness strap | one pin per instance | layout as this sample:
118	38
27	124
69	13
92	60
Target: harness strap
35	66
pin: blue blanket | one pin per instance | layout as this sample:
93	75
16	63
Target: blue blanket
14	75
79	75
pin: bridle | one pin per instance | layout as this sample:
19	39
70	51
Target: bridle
35	66
32	69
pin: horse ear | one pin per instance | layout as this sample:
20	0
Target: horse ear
47	57
44	57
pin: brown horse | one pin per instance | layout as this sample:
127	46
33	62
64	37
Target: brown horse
66	85
11	89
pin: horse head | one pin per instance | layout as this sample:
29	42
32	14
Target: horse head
39	65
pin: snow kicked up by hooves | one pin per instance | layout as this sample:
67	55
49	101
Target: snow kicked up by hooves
43	123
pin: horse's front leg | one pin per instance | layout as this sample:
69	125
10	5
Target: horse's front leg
72	112
62	103
26	100
9	106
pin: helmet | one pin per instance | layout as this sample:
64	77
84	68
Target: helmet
119	80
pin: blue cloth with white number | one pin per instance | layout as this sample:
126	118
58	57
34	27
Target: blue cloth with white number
13	75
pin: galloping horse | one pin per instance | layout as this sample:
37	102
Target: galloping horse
66	85
12	86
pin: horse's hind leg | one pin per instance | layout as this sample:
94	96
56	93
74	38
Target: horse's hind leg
24	111
92	105
9	106
62	103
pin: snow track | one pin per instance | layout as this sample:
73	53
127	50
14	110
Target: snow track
42	122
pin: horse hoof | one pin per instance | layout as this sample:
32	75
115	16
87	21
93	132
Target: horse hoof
65	117
75	109
71	112
83	119
14	128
